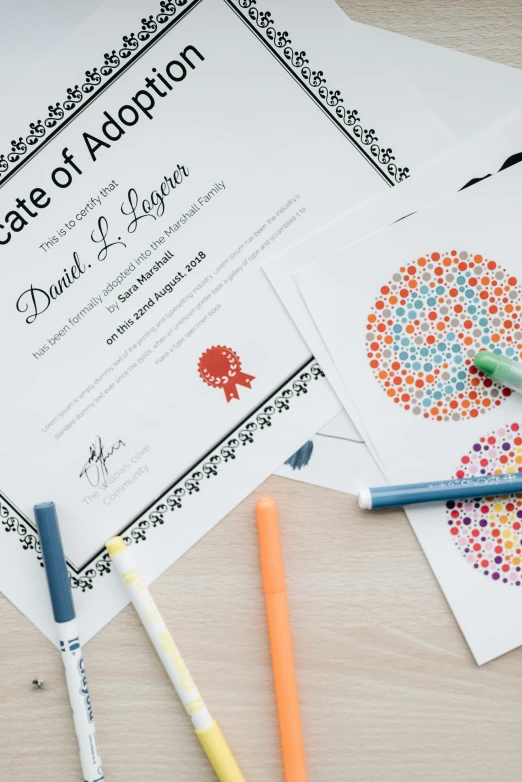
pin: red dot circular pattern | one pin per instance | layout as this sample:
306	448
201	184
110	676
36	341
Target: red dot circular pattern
488	531
426	326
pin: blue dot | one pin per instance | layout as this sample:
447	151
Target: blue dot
405	341
448	389
458	359
418	304
461	375
403	356
400	311
459	386
510	352
432	301
461	280
440	289
412	314
442	346
424	289
438	358
469	293
472	309
455	348
424	352
426	402
428	367
484	341
397	328
450	336
416	366
437	395
483	322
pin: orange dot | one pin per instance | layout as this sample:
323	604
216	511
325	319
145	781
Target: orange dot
485	281
412	283
393	300
468	341
383	374
430	379
372	318
391	392
447	261
441	326
434	411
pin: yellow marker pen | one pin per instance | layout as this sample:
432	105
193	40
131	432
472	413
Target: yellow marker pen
207	730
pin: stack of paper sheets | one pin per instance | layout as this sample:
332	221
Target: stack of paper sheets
188	291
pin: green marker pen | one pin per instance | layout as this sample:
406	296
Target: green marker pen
501	369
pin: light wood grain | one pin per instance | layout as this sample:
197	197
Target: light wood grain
388	687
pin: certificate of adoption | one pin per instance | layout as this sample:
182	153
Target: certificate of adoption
152	378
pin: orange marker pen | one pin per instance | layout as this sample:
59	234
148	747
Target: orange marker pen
273	573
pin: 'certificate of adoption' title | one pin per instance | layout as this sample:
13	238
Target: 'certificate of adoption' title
151	377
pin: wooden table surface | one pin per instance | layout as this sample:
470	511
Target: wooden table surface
388	687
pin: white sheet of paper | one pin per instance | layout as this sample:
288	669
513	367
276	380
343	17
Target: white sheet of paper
335	458
468	93
402	313
123	312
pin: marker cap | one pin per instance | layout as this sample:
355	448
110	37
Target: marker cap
54	561
365	499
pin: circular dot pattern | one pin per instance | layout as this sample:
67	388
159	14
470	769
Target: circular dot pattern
428	323
488	532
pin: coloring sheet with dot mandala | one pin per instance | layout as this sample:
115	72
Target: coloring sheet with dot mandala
402	315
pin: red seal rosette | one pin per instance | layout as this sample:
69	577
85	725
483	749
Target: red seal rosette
220	367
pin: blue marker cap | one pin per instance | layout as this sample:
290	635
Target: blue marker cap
54	561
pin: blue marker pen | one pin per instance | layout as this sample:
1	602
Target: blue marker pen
440	491
65	618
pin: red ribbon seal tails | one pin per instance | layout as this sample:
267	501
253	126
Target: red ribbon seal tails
220	367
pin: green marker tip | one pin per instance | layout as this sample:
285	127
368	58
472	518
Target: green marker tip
486	362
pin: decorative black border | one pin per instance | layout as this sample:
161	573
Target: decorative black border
192	482
60	114
153	28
